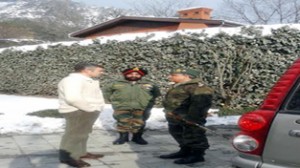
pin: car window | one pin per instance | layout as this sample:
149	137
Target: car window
294	100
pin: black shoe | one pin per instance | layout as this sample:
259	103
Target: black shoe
189	160
183	152
137	138
195	156
122	139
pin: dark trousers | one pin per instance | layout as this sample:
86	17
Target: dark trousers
188	136
74	141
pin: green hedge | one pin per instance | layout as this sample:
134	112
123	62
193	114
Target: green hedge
240	69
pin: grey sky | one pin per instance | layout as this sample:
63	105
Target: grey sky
214	4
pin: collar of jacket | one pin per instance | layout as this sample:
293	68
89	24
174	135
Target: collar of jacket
141	81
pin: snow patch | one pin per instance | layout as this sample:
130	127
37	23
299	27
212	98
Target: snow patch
13	118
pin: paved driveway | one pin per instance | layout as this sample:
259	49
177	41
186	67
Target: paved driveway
40	151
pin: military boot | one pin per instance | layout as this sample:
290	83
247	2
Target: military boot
137	138
122	139
183	152
195	156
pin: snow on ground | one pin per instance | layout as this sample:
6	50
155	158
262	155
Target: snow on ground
13	118
266	30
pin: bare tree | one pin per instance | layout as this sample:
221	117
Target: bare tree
261	11
160	8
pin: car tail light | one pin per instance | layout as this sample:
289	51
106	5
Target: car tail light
254	130
279	91
251	122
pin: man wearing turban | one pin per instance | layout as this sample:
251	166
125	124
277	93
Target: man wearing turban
132	99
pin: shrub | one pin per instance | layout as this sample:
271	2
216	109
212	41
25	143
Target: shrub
240	69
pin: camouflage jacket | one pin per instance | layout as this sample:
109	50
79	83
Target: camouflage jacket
126	95
190	100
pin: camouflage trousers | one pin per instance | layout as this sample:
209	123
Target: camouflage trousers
188	136
129	120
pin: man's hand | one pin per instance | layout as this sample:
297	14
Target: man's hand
174	116
171	115
188	122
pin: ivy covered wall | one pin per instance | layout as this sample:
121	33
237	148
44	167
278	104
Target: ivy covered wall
241	68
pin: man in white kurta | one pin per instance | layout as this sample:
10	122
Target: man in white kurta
80	102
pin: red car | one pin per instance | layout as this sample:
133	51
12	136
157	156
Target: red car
270	135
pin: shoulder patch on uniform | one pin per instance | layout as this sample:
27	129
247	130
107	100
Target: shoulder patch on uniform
147	86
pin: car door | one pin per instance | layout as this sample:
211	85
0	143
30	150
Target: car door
282	148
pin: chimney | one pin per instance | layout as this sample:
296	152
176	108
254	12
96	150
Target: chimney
195	13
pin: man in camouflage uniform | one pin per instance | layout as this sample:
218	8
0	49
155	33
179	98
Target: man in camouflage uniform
186	104
132	99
